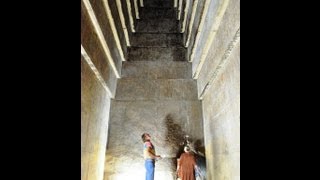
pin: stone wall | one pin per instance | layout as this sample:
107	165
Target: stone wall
125	13
157	95
206	31
94	49
120	31
165	108
221	113
219	86
95	106
100	64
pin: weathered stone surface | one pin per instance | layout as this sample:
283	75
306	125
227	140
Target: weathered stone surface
95	108
156	40
157	25
195	27
156	69
126	17
117	21
105	27
133	10
158	3
156	54
210	20
155	94
223	39
93	47
157	13
166	121
221	115
153	89
139	116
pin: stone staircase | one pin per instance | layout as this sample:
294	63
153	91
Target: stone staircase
155	94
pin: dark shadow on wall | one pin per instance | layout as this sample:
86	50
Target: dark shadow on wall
175	137
201	163
200	157
199	147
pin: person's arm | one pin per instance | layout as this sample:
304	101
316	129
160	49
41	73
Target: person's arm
149	151
154	156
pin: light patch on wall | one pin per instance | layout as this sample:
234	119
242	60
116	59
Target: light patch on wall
136	173
179	9
186	9
222	64
136	9
213	31
139	173
175	3
95	70
113	28
193	14
123	23
141	3
130	15
101	38
202	22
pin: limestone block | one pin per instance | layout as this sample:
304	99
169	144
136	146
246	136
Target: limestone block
157	13
154	89
158	3
156	54
156	40
157	25
156	70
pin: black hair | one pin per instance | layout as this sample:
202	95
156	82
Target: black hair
143	137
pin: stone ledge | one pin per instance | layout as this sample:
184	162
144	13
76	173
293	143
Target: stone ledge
154	12
156	69
158	3
157	25
156	89
156	54
156	40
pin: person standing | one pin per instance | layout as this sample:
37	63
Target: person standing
187	165
149	154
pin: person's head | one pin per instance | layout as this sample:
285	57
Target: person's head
187	149
145	137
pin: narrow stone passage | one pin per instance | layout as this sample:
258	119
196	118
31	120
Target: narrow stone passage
156	94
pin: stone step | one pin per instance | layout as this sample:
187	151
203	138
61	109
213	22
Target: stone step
158	3
156	89
157	13
156	54
156	69
157	25
156	40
